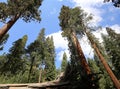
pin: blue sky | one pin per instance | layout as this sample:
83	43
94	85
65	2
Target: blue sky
104	15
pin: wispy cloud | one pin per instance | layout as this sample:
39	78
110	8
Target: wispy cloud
87	50
98	33
60	0
61	44
91	7
116	28
60	54
59	41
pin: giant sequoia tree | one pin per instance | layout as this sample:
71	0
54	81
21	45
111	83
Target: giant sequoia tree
71	27
70	23
28	10
75	21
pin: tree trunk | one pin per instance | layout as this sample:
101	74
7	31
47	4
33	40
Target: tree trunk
8	25
81	54
31	66
40	75
106	66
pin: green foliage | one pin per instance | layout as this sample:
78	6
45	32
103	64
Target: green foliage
70	20
3	41
2	61
18	78
105	81
99	78
97	66
14	59
36	53
22	65
50	69
64	62
13	64
112	46
42	53
18	47
27	9
74	20
3	56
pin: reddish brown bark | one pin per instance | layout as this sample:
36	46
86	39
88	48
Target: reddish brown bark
8	25
106	66
81	54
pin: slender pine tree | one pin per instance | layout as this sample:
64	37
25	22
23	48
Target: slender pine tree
64	62
15	61
50	68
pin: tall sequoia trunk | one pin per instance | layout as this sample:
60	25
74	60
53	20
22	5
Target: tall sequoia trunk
106	66
80	54
8	25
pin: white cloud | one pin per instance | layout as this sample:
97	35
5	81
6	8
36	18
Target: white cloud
89	3
60	54
60	44
98	33
60	0
91	7
59	41
116	27
87	50
94	7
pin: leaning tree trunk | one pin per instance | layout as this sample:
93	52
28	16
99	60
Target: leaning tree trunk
80	54
106	66
8	25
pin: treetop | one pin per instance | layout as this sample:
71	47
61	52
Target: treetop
28	10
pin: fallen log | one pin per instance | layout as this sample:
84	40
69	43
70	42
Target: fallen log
45	85
49	84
